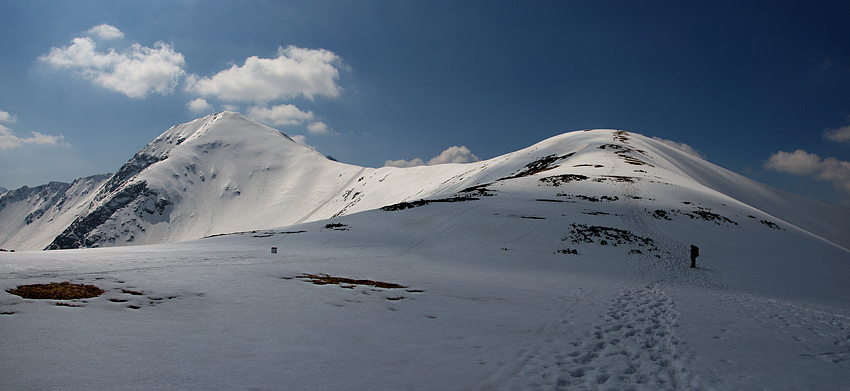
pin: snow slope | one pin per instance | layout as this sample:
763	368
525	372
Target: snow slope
490	300
562	266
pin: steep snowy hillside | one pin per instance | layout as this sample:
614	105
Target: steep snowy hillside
219	173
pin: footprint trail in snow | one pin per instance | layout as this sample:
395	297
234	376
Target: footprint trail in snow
634	348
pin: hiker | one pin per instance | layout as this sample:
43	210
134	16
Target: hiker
694	255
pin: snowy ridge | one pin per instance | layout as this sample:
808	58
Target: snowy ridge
227	173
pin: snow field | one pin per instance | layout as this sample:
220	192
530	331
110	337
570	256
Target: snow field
501	311
492	299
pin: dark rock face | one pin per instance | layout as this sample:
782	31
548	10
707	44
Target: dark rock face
77	235
137	164
116	194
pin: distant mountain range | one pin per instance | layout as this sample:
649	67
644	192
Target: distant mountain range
226	173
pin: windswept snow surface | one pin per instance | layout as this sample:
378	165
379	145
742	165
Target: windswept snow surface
560	266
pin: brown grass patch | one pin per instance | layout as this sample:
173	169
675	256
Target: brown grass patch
324	279
57	291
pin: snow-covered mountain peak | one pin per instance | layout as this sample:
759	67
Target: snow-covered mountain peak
215	129
207	176
226	173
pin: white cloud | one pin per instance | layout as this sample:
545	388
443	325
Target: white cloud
106	32
199	105
404	163
798	162
319	128
680	146
841	134
453	154
280	115
137	71
8	140
295	72
801	162
7	118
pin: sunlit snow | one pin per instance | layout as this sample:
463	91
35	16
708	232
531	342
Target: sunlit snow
564	265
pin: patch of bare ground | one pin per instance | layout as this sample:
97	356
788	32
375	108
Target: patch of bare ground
581	233
423	202
539	165
557	180
324	279
57	291
700	213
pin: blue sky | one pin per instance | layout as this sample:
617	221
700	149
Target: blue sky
762	91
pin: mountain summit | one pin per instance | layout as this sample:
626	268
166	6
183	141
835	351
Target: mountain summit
226	173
